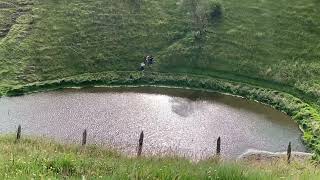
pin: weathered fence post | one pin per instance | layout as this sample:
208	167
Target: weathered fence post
18	133
218	152
289	153
140	144
84	137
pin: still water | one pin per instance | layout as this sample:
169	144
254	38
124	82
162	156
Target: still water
175	121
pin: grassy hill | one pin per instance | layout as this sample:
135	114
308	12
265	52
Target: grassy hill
274	41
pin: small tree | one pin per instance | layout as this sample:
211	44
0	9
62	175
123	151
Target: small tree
215	10
202	13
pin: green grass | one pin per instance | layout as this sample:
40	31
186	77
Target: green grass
272	42
39	158
268	43
269	40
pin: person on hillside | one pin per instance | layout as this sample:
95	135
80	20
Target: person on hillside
146	60
151	60
142	66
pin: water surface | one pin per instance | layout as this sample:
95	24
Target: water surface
184	122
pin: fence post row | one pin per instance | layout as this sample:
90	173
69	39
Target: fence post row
84	137
140	144
18	133
289	153
218	152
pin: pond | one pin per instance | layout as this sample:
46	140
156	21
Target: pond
174	121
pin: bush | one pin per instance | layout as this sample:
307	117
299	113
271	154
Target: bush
215	10
202	12
62	165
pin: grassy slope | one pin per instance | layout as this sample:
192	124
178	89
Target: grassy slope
269	40
42	159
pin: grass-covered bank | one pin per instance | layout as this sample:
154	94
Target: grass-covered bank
39	158
304	114
273	41
269	42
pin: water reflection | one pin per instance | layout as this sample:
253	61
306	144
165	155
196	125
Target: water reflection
182	107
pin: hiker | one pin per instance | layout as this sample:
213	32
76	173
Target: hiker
142	65
151	60
146	60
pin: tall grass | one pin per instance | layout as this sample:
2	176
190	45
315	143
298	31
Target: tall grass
40	158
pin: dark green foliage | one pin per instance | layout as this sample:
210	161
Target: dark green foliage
215	10
202	13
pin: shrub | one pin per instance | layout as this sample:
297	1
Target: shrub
215	10
62	165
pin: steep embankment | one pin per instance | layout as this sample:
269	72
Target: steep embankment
262	50
275	41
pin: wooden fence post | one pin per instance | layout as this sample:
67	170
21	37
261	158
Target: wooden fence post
218	152
289	153
18	133
140	144
84	137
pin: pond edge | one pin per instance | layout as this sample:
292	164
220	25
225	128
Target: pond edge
302	113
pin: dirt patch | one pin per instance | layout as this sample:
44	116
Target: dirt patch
20	10
5	5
